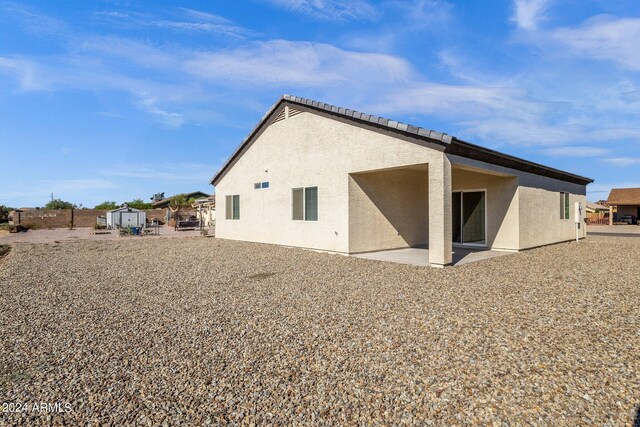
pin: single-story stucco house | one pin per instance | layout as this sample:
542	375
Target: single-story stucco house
318	176
624	201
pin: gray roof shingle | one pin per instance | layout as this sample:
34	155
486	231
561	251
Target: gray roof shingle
392	124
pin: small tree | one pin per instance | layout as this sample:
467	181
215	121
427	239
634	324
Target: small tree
182	201
107	206
4	213
179	201
59	204
139	204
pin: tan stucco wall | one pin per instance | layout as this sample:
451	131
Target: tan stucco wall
306	150
388	209
502	205
540	222
538	207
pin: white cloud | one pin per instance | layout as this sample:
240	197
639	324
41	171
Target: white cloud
186	20
134	51
604	38
29	19
459	100
112	14
307	64
511	129
172	120
418	14
404	20
181	172
25	71
330	10
174	85
204	22
76	185
39	192
624	161
528	13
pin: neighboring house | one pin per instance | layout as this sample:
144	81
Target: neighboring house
596	207
318	176
164	203
184	212
597	214
624	201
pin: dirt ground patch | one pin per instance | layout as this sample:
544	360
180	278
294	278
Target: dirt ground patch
64	234
197	331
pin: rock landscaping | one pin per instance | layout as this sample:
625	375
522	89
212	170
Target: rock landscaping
202	331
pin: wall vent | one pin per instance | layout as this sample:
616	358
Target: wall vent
279	117
282	115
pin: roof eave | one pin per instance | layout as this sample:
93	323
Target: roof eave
517	163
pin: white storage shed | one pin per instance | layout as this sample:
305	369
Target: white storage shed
126	217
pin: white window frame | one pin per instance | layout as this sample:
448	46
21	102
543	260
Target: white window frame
304	204
486	218
229	202
565	205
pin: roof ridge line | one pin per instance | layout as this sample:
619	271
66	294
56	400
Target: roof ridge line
372	118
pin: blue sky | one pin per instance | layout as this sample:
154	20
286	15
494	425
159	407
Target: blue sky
115	100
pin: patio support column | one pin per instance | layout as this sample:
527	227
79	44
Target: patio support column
610	215
440	232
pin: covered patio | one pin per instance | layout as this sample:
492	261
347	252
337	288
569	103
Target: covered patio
461	212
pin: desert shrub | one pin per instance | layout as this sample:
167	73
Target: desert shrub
4	249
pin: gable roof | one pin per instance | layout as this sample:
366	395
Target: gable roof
624	196
210	200
596	206
452	144
123	209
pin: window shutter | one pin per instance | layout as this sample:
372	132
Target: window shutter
297	203
228	207
236	207
561	205
311	203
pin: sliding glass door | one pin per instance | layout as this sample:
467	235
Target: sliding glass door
469	217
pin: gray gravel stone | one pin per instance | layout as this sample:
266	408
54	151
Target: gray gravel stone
209	332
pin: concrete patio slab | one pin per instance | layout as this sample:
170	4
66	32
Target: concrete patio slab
420	256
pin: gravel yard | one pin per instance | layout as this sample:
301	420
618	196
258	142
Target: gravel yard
190	331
